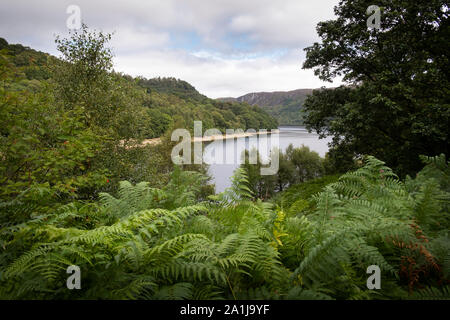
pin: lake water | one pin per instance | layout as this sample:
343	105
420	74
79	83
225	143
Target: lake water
231	149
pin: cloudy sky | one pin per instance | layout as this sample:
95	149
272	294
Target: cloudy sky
222	47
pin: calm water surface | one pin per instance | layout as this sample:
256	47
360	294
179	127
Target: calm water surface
230	149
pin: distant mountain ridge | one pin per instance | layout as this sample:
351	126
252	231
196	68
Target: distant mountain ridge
285	106
268	99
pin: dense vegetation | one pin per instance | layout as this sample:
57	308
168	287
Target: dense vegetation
78	188
155	244
286	107
296	165
397	104
168	102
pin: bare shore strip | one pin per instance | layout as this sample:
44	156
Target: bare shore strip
156	141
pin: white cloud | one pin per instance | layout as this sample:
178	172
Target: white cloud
127	40
240	46
217	76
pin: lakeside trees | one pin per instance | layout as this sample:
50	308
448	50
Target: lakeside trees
296	165
396	106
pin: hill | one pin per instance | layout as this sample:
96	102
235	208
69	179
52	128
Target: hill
167	102
180	88
285	106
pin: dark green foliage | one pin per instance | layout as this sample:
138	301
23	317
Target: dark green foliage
297	198
177	87
43	146
295	165
24	56
396	104
307	164
149	243
262	187
365	218
145	250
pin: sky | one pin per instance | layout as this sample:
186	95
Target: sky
224	48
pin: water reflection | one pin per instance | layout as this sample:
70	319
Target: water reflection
228	152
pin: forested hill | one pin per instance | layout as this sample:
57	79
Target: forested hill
31	65
285	106
164	103
171	85
24	56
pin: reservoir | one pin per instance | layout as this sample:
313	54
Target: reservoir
222	171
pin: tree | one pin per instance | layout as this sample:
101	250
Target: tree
83	74
44	149
262	186
307	164
285	174
111	105
396	103
296	165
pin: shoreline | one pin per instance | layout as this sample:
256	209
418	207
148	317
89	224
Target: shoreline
156	141
231	136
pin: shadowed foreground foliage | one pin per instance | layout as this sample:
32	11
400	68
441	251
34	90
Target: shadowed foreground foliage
148	243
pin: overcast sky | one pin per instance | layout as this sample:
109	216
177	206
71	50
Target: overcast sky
222	47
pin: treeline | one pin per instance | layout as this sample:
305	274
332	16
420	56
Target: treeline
170	103
296	166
